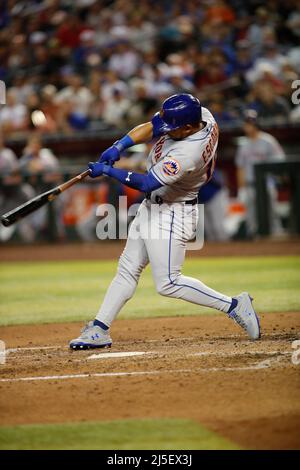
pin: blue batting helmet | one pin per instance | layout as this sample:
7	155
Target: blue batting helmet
177	111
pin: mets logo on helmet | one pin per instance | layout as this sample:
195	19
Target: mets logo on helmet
171	167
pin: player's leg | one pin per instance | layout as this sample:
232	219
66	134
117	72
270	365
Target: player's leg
166	258
132	262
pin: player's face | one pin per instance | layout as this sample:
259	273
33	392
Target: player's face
181	132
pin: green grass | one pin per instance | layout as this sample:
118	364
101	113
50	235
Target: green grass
118	435
45	292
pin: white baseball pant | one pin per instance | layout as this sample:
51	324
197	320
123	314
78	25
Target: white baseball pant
159	235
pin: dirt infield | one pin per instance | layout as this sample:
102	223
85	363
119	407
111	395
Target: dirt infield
112	250
202	368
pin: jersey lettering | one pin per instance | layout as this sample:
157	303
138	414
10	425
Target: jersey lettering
211	167
206	155
158	148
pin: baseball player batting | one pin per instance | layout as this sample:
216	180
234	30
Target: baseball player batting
181	161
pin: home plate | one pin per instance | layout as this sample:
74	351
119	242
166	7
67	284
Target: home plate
117	354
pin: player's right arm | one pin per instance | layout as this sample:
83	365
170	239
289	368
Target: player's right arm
138	135
166	172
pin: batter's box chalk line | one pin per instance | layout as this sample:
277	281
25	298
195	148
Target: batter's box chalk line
116	355
119	354
32	348
260	365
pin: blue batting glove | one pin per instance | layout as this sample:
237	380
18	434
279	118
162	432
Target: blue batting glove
96	169
110	156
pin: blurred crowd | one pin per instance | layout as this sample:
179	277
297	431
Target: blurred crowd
73	215
74	65
36	171
89	65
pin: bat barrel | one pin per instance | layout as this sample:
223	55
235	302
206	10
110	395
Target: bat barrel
28	207
6	221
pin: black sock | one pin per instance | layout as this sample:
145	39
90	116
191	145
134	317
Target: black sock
102	325
233	304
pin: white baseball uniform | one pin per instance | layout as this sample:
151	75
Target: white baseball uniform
165	223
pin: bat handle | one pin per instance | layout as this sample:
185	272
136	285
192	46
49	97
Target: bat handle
84	174
74	180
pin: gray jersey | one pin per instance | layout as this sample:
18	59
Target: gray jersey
265	148
183	166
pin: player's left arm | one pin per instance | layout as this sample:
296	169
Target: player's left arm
138	135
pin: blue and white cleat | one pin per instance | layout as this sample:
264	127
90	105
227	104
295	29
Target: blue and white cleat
245	316
91	337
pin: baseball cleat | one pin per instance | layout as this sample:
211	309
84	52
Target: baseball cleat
245	316
91	337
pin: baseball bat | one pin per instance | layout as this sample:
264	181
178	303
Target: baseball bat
35	203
